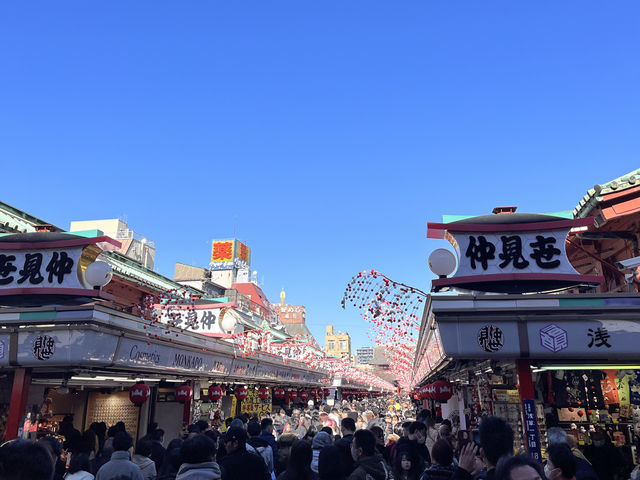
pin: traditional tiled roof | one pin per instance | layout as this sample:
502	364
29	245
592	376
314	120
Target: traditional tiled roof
594	195
13	220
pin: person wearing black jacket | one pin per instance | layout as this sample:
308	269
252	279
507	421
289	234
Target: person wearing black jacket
414	443
348	428
238	464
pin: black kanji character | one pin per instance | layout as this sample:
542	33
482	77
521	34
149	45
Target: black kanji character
512	251
544	251
59	266
6	268
31	269
482	252
599	337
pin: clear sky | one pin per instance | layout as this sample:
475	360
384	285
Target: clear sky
331	130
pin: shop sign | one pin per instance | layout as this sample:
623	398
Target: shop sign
267	372
284	374
66	347
490	338
503	395
553	338
531	429
142	354
228	254
511	258
253	405
243	368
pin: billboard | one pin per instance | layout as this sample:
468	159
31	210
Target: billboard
228	254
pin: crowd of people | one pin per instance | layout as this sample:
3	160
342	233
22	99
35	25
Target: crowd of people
378	439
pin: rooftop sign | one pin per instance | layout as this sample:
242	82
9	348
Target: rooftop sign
513	253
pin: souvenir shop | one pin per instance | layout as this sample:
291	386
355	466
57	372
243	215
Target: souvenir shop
573	358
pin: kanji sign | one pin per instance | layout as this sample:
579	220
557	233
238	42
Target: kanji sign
228	254
53	268
44	347
511	257
491	338
531	429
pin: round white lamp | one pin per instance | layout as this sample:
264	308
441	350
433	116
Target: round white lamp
442	262
228	322
98	274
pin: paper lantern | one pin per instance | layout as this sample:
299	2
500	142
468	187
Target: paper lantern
443	390
215	393
241	393
263	393
326	392
184	393
139	393
293	395
278	392
303	395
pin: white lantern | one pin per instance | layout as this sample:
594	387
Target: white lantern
442	262
98	274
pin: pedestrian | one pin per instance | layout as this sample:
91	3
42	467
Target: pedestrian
260	445
172	460
415	442
519	467
378	432
25	460
238	463
330	464
285	442
157	448
120	464
348	428
407	466
198	459
369	466
299	467
267	428
321	440
141	458
603	455
584	470
561	464
442	462
79	468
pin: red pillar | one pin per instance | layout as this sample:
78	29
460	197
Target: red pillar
527	392
18	406
525	379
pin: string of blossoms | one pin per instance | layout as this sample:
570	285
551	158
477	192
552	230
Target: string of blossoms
173	308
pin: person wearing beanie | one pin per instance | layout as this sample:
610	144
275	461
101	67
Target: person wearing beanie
321	440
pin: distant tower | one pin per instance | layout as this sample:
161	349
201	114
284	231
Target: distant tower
282	297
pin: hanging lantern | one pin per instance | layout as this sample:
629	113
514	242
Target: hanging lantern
215	393
293	395
139	393
263	393
326	392
303	395
278	392
313	393
184	393
443	390
241	393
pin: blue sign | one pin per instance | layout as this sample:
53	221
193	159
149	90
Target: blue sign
531	429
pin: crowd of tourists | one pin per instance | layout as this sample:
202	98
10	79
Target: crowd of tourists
378	439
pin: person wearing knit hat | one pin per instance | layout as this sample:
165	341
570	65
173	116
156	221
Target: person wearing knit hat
320	440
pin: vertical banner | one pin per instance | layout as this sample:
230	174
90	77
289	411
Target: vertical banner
531	428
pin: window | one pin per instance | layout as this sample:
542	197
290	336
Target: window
286	315
331	345
294	315
343	345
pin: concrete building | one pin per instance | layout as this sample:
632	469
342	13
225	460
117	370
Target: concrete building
293	317
134	246
337	344
364	355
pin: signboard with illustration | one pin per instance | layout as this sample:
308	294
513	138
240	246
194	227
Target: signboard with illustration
513	253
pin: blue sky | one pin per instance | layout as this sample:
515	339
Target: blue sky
332	131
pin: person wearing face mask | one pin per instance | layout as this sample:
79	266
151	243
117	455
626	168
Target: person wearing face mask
415	443
561	464
603	455
369	465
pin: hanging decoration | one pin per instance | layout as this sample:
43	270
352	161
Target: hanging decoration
303	395
168	314
184	393
215	393
139	393
263	393
278	393
241	393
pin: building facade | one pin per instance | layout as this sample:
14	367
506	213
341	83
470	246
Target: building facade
337	344
364	355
